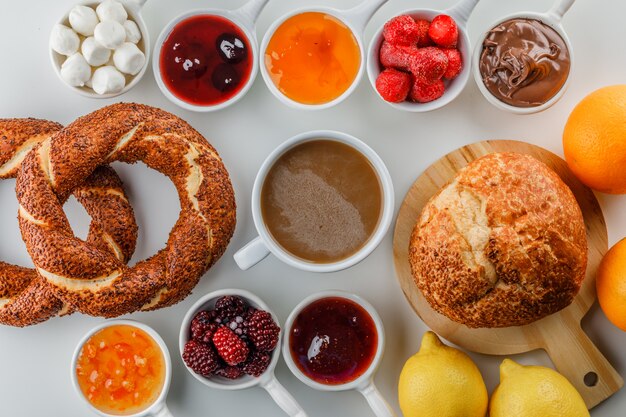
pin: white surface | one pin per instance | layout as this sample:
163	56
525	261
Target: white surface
34	362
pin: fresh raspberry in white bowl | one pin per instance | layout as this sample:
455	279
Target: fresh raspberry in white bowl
427	49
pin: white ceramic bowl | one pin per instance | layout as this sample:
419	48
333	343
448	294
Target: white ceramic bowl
207	302
133	8
268	380
264	244
355	19
460	13
158	408
551	18
365	383
245	19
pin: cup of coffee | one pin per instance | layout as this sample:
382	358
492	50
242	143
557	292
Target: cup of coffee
321	202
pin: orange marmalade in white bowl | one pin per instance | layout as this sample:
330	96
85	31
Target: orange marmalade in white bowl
122	368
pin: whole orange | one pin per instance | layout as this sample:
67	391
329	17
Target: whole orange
594	140
611	284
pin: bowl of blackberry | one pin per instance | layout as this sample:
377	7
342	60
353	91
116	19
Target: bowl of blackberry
230	340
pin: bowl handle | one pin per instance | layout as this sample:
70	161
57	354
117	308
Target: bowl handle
580	361
251	254
376	401
360	15
135	4
283	398
461	11
162	412
559	8
250	11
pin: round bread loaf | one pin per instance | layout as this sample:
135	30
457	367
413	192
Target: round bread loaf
503	244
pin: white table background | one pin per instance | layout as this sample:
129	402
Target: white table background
34	362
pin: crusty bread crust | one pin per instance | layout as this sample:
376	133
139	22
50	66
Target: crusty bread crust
503	244
25	297
81	274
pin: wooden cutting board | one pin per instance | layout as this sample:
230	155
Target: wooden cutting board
560	334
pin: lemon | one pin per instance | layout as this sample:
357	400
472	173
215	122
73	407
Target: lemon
534	391
441	381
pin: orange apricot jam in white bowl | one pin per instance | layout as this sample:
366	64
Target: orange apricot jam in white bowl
121	370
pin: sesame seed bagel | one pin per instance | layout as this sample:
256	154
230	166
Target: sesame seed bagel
25	297
92	280
503	244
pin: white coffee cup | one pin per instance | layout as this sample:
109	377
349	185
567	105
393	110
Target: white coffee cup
264	244
363	384
158	408
551	18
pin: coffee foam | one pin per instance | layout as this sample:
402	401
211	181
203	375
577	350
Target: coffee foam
310	225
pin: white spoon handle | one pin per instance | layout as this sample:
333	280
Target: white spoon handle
376	401
283	398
